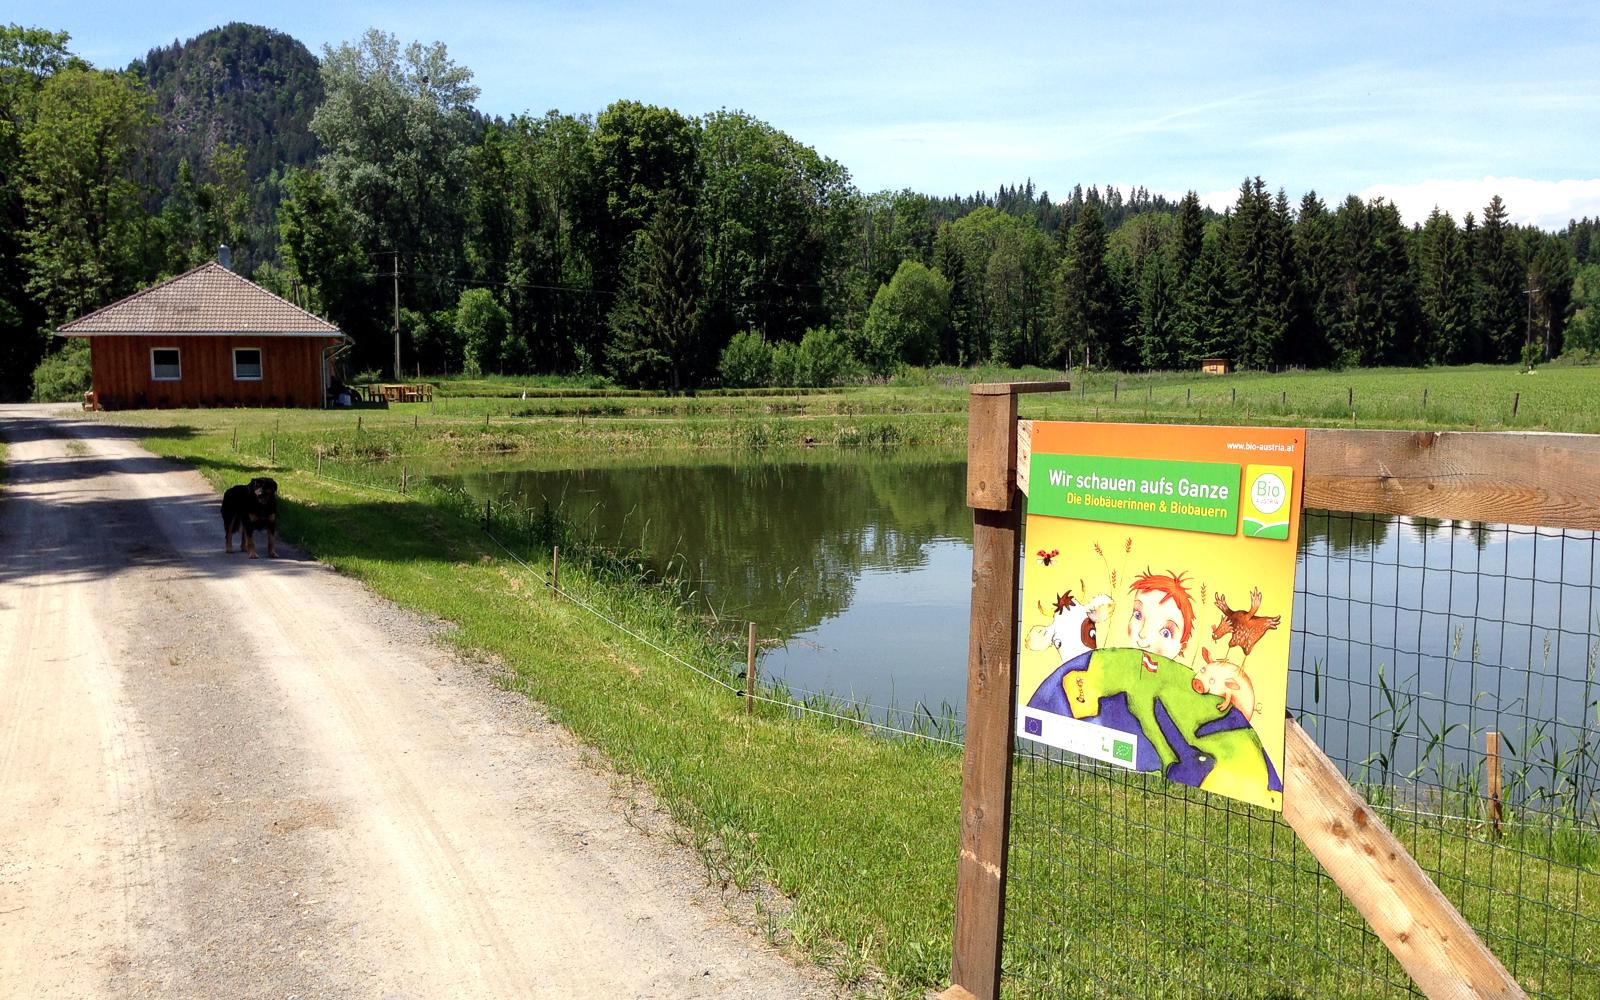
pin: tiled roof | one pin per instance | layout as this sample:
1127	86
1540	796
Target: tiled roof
207	300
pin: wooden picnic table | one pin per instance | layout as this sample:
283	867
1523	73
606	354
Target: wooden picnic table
400	392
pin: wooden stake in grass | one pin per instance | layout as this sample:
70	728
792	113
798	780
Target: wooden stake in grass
1424	397
1491	741
1236	395
1351	397
319	463
486	421
358	423
555	570
1116	390
415	421
1283	399
405	478
750	673
1188	396
1516	400
236	439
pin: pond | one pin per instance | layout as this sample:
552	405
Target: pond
857	567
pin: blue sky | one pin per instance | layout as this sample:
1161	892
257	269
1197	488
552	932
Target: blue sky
1435	103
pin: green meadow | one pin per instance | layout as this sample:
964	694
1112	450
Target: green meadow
839	844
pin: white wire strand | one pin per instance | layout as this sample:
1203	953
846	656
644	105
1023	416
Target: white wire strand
789	704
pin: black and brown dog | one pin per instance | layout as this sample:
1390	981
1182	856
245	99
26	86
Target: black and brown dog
249	508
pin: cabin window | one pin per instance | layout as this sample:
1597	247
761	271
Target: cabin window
247	364
164	364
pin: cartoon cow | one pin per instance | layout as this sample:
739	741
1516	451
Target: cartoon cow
1228	681
1074	628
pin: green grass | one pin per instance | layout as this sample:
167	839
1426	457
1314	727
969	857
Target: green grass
861	832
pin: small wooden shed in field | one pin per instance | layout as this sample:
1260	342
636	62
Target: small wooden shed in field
1215	366
207	338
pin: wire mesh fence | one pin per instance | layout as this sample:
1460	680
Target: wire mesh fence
1418	645
1414	640
525	534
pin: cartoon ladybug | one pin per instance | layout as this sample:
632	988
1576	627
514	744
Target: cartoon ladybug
1046	558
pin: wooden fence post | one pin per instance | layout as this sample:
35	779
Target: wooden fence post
358	423
319	463
1491	742
1516	401
750	673
405	478
555	570
991	687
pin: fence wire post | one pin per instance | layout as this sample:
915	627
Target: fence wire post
750	673
1491	742
555	570
405	478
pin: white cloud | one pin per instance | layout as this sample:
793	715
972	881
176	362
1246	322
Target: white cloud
1546	204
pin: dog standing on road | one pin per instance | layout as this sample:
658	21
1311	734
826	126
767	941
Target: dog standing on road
249	508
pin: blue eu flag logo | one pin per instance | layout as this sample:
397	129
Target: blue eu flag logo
1032	726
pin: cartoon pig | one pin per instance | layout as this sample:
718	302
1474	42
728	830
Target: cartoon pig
1227	681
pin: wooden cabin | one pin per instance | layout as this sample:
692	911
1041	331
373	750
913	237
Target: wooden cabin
1215	366
207	338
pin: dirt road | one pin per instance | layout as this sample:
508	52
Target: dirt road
232	778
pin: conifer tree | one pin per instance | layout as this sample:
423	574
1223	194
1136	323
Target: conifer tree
656	322
1444	291
1085	298
1204	325
1499	271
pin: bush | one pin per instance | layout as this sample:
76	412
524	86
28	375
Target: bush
824	358
746	361
786	368
907	319
483	328
64	376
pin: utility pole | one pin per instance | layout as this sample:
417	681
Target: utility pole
397	368
1530	293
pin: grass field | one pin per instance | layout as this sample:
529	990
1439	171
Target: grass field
860	833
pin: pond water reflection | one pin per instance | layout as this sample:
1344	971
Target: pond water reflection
861	564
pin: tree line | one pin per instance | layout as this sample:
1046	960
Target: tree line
672	251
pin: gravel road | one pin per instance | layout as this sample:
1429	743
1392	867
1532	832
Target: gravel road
232	778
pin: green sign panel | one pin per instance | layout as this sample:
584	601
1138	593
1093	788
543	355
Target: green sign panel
1157	493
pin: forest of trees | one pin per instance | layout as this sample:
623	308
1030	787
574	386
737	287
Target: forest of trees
672	251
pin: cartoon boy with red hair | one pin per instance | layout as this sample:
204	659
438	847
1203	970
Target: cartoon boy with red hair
1163	615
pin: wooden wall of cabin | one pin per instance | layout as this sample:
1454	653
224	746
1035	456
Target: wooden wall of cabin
290	372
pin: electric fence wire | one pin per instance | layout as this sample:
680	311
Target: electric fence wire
785	703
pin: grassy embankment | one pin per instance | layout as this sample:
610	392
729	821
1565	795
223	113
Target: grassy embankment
860	832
